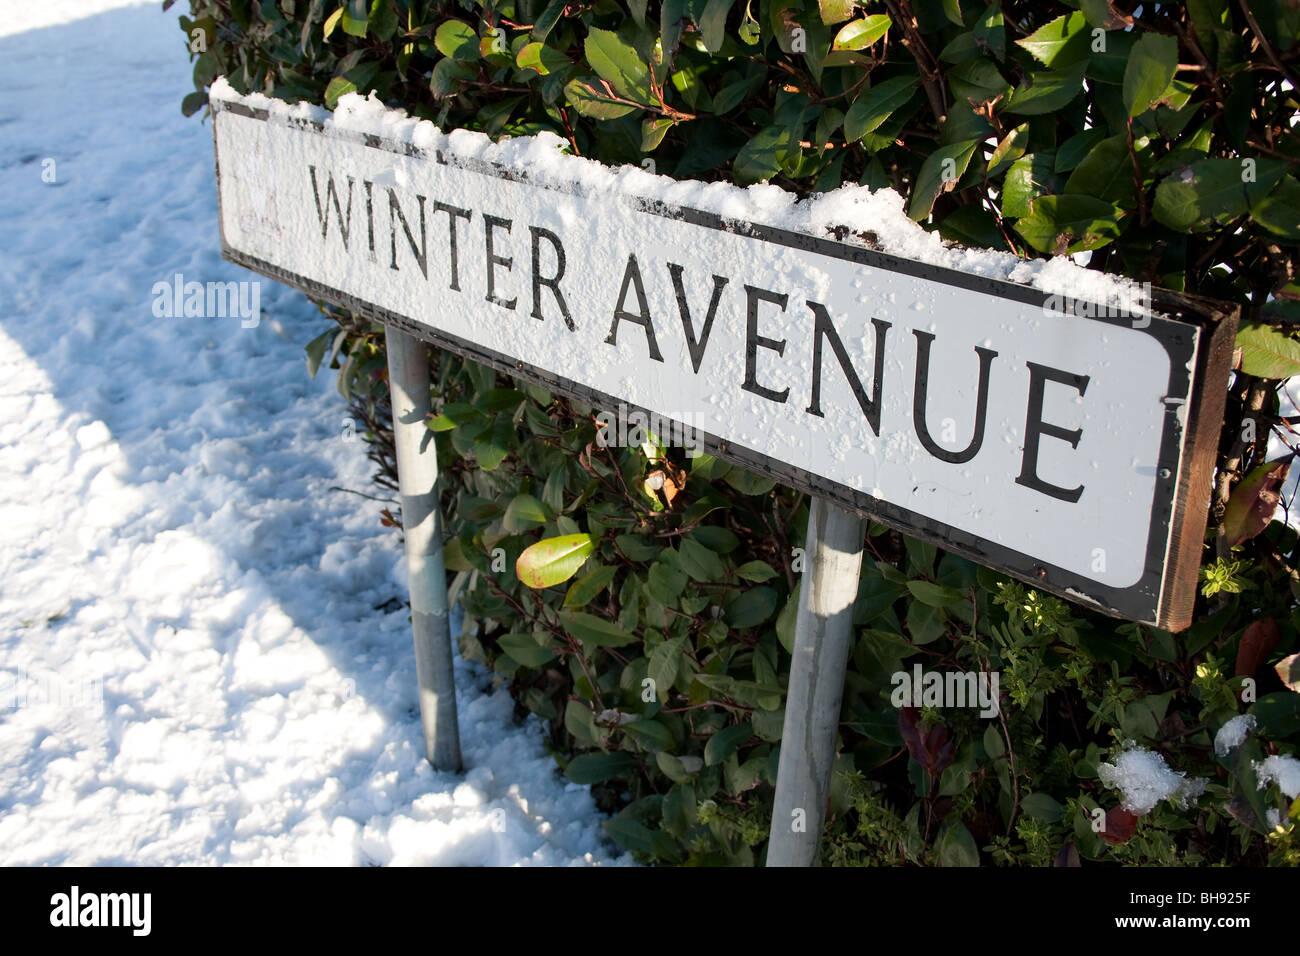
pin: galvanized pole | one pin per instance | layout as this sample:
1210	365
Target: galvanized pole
823	636
417	479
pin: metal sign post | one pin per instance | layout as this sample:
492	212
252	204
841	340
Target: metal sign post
417	479
822	638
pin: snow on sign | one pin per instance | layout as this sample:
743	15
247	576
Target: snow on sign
1038	418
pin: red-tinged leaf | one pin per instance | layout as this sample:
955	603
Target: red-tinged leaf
1256	644
1254	500
932	749
1288	670
1120	824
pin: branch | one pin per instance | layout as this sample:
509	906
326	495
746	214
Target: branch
902	13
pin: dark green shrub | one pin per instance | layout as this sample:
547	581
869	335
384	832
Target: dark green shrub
1159	138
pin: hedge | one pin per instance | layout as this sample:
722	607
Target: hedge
1157	138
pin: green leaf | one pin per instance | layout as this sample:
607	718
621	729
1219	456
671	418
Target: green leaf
994	745
935	595
725	742
1069	224
593	768
316	351
664	665
553	560
873	107
925	623
541	58
1040	806
990	32
653	130
524	512
835	11
1050	90
955	846
1011	148
550	16
590	99
193	102
1150	69
650	734
1060	43
1106	173
860	34
748	483
751	608
699	562
1267	353
338	87
458	40
447	76
1279	213
332	21
758	571
713	24
383	19
1213	190
1029	177
525	650
588	586
939	174
594	631
617	62
354	25
761	158
665	583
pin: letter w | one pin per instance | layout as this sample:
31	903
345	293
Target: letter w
322	213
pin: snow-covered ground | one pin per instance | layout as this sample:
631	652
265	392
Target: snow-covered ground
198	663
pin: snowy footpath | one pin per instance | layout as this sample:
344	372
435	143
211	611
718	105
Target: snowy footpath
199	657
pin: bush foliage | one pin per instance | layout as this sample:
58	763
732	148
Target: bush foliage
1157	138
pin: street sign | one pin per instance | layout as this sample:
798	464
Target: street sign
1030	430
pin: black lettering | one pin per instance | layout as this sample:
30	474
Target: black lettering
493	260
395	216
632	277
754	341
1035	428
824	327
986	356
322	213
553	283
696	347
453	212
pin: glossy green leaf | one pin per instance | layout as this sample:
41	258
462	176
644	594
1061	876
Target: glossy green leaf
553	560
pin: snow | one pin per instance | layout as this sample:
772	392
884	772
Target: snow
1232	733
1144	779
859	210
201	658
1282	769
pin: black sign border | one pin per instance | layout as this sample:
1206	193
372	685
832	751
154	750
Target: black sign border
1141	601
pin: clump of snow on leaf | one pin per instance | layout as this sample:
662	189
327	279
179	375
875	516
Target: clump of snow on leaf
1145	779
1282	769
1232	733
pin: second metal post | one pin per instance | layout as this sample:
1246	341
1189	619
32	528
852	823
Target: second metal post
417	479
823	636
